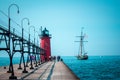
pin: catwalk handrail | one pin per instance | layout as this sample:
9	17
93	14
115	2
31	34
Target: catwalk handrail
12	33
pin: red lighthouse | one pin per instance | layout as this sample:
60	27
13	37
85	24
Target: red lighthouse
45	44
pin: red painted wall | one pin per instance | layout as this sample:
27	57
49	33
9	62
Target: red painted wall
45	44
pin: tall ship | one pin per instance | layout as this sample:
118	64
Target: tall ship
82	55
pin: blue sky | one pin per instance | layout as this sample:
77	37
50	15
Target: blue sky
64	19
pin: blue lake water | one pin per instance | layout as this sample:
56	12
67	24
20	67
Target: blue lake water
4	61
95	68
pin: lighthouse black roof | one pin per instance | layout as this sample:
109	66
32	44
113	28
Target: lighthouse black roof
45	32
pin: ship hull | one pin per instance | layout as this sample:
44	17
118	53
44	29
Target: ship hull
82	57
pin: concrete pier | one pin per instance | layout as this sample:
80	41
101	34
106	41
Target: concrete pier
62	72
47	71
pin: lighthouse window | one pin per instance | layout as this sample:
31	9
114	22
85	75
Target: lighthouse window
46	32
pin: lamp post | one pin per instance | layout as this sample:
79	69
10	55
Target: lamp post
33	47
37	38
22	41
10	53
24	71
36	49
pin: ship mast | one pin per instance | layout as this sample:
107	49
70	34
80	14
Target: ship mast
81	40
82	55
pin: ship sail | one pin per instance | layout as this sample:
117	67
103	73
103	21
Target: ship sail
82	55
